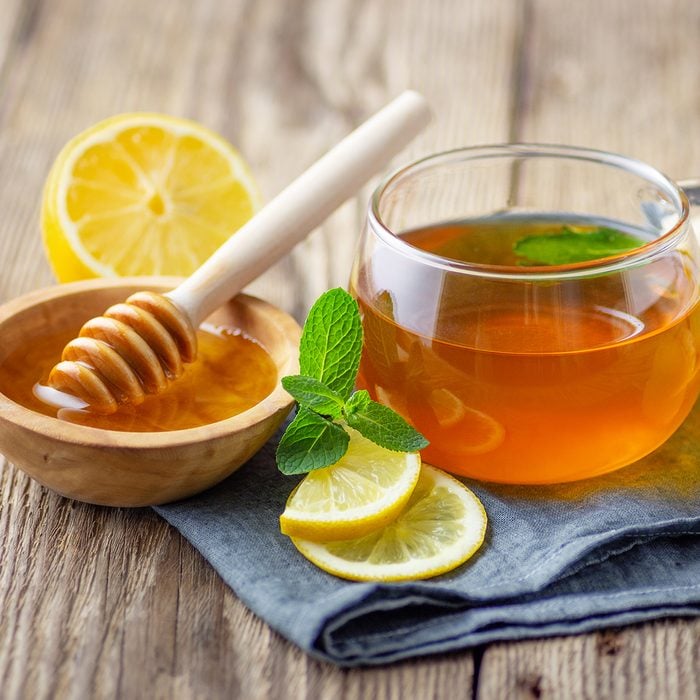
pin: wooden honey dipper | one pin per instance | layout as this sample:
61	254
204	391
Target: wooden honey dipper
135	348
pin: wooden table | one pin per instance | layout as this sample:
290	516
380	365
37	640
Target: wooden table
114	603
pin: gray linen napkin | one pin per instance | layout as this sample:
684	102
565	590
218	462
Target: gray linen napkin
558	559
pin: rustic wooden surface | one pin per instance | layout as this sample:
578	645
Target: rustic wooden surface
113	603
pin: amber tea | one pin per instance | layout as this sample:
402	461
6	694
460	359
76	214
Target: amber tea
529	380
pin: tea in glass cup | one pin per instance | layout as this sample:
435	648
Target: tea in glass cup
532	310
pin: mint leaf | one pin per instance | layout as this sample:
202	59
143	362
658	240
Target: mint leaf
572	246
357	402
329	357
310	393
331	342
386	428
310	442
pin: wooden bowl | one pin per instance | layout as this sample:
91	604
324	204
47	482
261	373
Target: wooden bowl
126	468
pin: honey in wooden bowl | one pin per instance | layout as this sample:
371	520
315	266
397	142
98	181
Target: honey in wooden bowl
231	374
137	468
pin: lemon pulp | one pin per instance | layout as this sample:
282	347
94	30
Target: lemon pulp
143	194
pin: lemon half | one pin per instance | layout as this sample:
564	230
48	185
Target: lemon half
364	490
442	525
142	194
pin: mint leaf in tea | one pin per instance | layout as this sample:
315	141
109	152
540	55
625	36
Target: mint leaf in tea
525	242
572	245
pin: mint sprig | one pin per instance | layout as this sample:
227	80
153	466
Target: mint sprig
329	358
571	245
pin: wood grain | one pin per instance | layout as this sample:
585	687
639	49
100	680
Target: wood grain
649	662
17	22
607	75
114	603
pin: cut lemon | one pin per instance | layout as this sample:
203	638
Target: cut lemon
467	430
448	408
442	525
363	491
142	194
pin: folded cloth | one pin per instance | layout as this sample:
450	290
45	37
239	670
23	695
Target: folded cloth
557	559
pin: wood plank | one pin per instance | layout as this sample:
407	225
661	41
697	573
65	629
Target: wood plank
649	662
17	21
607	75
113	603
610	75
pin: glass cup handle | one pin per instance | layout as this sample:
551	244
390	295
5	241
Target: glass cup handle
691	187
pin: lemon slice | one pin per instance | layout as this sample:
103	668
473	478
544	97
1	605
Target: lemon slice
448	408
363	491
469	431
441	526
142	194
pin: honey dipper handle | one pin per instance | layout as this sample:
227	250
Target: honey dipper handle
302	206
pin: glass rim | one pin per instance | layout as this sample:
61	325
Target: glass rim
658	245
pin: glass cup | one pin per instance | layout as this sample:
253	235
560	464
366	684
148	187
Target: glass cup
529	374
